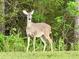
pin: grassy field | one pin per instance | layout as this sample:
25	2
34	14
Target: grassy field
40	55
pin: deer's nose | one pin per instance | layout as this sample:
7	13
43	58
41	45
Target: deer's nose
29	19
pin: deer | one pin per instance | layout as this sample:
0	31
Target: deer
41	30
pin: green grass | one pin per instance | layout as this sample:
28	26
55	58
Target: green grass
40	55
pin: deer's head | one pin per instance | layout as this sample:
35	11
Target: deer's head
29	15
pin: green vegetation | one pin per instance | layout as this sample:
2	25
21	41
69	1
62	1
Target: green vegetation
11	43
60	14
40	55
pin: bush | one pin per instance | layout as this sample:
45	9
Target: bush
12	43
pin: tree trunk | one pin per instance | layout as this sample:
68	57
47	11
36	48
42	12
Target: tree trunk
2	26
76	30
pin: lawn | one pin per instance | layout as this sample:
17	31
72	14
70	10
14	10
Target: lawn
40	55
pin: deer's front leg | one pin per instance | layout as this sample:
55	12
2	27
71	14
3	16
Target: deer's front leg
28	43
34	41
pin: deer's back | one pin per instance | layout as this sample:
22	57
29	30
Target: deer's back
44	27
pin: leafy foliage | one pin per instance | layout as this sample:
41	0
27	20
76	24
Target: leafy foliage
57	13
12	43
72	8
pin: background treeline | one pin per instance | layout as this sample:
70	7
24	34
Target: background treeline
57	13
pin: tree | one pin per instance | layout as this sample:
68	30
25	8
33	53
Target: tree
76	34
2	27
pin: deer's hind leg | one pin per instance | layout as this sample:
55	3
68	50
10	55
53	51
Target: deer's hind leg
50	41
45	44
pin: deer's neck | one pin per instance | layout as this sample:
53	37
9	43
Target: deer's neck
29	24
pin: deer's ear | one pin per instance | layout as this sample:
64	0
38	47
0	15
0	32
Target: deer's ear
25	12
32	12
